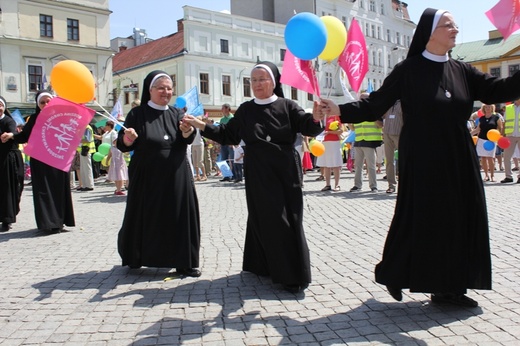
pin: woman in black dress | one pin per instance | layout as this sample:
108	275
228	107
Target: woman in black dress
11	170
51	186
161	226
275	242
438	241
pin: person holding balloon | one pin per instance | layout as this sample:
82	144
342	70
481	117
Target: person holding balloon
438	241
486	147
12	170
161	224
52	198
275	243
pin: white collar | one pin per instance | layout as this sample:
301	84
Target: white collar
435	57
156	106
266	101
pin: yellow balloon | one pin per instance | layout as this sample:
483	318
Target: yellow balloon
475	140
336	38
334	125
106	162
493	135
73	81
316	148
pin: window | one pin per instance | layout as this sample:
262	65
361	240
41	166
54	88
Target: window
378	32
328	80
397	38
373	27
388	36
224	46
226	85
174	83
294	93
204	83
45	25
344	21
282	54
513	69
367	29
372	6
35	78
494	71
379	58
310	97
362	4
382	9
247	86
72	29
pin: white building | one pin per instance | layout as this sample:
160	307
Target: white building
216	51
37	34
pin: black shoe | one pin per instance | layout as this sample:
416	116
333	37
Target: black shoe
225	179
395	293
455	299
87	189
295	288
355	189
518	181
507	180
374	189
6	226
189	272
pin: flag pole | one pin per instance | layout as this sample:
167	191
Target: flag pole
109	117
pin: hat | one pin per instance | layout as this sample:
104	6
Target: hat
275	76
428	22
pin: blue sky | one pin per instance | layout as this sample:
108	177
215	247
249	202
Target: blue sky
159	17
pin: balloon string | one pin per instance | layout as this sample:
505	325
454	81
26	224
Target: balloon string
111	118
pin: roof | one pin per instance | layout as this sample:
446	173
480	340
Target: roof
490	49
156	50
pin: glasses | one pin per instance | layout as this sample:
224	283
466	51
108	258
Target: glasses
264	80
449	26
161	89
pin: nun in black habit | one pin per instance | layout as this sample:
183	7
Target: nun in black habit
161	225
51	186
438	240
11	171
275	243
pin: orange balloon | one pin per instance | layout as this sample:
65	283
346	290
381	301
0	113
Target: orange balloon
475	139
316	148
493	135
73	81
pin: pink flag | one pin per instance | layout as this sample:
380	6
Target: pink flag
299	74
57	133
354	58
505	16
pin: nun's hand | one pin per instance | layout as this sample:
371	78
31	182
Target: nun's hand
328	107
317	114
130	136
6	136
189	121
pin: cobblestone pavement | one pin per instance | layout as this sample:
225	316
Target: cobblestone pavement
70	289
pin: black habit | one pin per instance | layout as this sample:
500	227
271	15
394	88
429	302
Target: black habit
11	173
161	226
438	239
275	243
51	187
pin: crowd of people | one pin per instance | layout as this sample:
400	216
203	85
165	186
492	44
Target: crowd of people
438	240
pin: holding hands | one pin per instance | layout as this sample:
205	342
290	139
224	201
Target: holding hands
328	107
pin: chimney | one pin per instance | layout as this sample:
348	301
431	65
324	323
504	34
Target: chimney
494	34
180	25
122	48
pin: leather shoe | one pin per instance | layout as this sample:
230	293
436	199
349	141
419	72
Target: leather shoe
395	293
189	272
507	180
455	299
297	288
6	226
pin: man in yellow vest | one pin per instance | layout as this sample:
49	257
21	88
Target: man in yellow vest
511	132
369	136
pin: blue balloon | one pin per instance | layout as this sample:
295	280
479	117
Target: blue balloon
488	145
180	102
305	35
